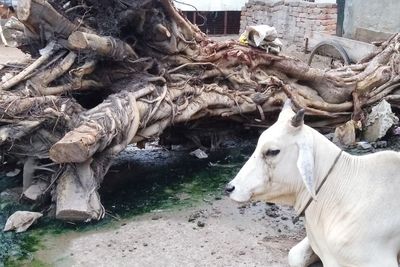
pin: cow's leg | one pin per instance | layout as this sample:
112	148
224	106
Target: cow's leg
302	254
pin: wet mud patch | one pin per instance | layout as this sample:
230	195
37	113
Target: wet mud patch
140	181
160	180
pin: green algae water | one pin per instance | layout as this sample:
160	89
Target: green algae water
159	184
141	181
13	246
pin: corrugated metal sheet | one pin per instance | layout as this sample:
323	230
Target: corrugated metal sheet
210	5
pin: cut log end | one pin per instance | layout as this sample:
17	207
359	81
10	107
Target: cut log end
78	40
74	215
76	146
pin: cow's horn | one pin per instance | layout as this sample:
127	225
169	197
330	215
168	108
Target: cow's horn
298	119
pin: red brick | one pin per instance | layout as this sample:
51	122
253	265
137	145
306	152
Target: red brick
302	15
327	16
331	10
317	11
327	22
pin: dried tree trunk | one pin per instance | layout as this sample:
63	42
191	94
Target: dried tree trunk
152	69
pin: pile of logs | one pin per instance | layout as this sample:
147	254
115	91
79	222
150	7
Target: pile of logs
110	73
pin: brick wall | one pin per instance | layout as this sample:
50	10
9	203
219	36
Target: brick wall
293	19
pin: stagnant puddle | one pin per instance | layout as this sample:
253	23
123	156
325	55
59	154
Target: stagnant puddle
141	181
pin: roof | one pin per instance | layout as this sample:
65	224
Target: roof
210	5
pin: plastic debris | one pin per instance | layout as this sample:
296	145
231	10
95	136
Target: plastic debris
262	36
379	121
13	173
200	154
364	145
20	221
396	131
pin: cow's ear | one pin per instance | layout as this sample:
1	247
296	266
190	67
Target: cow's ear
305	161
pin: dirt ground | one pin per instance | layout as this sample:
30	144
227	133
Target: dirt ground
288	49
217	233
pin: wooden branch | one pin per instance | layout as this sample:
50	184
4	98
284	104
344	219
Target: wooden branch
13	132
48	52
47	76
103	45
188	30
39	15
112	123
74	85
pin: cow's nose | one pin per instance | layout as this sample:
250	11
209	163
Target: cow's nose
229	188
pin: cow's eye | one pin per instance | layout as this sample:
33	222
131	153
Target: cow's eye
272	152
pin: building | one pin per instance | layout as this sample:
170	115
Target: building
371	20
213	16
293	19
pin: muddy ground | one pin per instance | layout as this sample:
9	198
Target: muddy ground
218	233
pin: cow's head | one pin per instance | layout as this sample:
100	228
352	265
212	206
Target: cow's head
281	162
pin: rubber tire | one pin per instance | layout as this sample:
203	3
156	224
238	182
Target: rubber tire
338	47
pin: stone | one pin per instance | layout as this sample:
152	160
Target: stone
200	224
380	144
20	221
345	134
200	154
379	121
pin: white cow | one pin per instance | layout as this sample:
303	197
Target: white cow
353	220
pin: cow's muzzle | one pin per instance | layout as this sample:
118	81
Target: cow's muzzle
229	188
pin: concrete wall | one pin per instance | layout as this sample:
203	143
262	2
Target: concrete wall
292	19
374	15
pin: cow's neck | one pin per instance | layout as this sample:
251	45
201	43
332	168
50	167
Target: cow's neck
325	156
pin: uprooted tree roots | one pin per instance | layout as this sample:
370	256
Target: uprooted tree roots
152	69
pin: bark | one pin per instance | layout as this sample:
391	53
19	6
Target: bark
23	75
77	196
105	46
114	73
